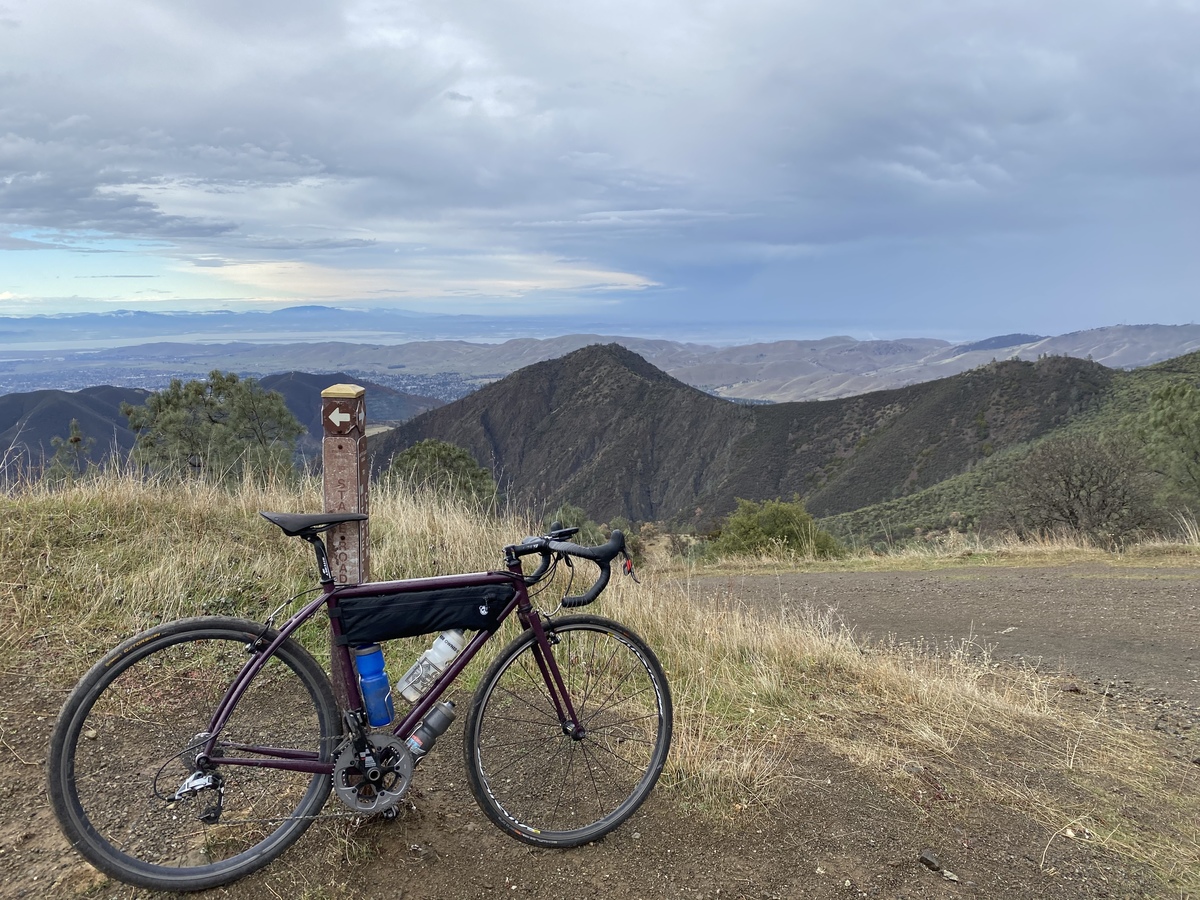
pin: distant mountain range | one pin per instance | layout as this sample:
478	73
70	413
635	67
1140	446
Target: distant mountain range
841	367
780	371
604	429
293	323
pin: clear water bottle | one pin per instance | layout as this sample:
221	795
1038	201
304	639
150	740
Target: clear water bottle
434	724
377	693
430	664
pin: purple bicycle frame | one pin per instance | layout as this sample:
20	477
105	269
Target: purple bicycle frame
310	761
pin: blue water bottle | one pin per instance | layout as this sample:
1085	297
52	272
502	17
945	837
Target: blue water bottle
377	693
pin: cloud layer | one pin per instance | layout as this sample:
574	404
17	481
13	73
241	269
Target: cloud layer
973	166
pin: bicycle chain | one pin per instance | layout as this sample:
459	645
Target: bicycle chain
347	814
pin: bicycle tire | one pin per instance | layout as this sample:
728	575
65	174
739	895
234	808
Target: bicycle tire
121	746
528	774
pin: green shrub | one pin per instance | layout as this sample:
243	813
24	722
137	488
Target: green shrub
773	526
570	516
447	470
1089	484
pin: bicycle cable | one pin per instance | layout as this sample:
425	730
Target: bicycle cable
545	580
548	578
270	622
195	743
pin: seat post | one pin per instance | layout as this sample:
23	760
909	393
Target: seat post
324	572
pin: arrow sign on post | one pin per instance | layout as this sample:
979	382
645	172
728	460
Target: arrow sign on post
344	474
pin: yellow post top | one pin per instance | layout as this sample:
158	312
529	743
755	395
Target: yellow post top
343	392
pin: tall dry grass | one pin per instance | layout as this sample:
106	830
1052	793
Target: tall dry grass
755	694
113	554
950	548
1189	529
948	729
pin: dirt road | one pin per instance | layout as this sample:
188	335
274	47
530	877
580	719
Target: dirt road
840	832
1136	627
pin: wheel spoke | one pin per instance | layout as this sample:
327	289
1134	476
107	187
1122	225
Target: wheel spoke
537	779
126	745
549	714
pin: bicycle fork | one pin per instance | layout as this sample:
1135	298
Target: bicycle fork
543	653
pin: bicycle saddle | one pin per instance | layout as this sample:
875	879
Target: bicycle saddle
299	524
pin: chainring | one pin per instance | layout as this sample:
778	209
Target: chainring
369	790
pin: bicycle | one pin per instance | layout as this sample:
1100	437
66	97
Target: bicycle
198	751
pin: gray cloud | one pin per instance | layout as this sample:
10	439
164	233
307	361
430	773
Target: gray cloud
314	245
712	148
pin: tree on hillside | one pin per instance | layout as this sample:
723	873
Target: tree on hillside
773	525
1172	435
1087	484
221	428
446	469
71	455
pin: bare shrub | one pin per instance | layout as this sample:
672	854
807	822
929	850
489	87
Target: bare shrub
1094	486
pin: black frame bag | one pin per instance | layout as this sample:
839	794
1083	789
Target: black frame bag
366	620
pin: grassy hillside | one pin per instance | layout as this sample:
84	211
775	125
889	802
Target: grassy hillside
102	559
963	501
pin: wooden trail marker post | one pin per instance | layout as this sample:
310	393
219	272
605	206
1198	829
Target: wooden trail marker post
344	463
345	476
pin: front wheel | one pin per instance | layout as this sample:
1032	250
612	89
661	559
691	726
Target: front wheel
535	775
124	782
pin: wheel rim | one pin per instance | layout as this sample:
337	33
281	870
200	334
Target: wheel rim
134	745
556	786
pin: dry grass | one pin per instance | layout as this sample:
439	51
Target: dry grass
953	548
947	730
101	559
1190	530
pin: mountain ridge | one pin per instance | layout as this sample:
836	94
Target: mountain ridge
29	421
777	371
603	429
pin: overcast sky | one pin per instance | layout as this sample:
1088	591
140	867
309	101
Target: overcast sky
944	168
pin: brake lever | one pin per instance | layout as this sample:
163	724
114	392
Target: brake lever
627	567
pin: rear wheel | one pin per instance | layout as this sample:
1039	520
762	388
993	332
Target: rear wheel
124	782
531	773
